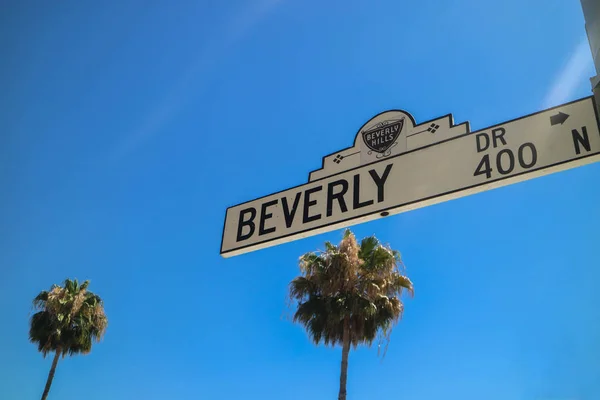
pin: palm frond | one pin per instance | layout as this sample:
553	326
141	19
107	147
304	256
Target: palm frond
301	287
40	300
399	282
331	248
367	246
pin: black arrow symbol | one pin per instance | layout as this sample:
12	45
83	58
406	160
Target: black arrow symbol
559	118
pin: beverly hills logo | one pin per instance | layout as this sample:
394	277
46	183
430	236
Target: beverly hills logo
384	135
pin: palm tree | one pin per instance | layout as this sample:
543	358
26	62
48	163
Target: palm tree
67	321
349	294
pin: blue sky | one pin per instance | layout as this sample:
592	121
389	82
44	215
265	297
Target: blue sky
127	128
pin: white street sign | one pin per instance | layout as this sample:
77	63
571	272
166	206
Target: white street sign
396	165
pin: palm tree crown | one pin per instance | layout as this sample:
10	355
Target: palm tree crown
349	294
68	320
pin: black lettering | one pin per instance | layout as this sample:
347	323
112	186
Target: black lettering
356	198
380	181
308	203
480	147
582	140
336	196
287	214
498	133
533	151
243	222
511	161
484	167
264	216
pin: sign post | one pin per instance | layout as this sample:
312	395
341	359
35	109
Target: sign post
591	13
397	165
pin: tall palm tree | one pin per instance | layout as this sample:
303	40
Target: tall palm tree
349	294
68	319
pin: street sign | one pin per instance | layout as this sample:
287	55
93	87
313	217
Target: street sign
397	165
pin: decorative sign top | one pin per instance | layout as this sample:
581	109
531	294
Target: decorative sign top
386	135
397	165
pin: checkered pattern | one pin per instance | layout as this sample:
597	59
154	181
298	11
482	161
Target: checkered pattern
432	128
338	159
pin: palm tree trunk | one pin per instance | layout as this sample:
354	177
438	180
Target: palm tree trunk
345	353
51	374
